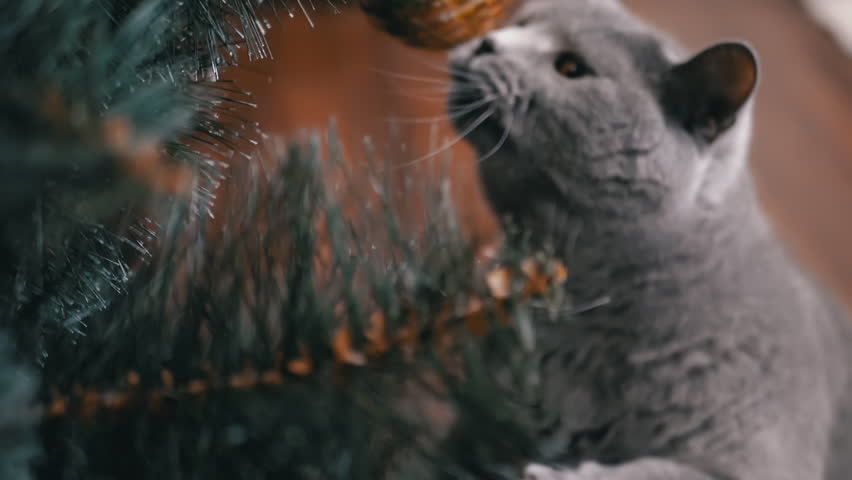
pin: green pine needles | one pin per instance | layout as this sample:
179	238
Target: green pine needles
18	416
294	337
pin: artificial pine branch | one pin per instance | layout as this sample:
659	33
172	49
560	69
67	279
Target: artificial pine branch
18	443
290	345
99	140
283	312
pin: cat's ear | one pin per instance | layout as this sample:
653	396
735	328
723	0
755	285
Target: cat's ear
707	92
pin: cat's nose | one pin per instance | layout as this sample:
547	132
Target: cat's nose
485	47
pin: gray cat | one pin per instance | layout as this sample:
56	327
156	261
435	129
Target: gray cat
709	354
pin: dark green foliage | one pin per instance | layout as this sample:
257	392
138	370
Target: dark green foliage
256	294
83	101
18	444
165	341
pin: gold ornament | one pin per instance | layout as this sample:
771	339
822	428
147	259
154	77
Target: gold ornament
437	24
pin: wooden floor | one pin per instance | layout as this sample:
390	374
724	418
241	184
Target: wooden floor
803	147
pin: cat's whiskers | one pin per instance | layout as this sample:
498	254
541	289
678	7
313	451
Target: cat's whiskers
500	142
458	87
456	106
447	145
463	81
507	129
460	79
424	98
436	89
446	69
438	67
433	95
410	77
453	112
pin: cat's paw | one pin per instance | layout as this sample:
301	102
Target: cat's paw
587	471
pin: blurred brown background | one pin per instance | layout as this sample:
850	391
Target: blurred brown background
343	68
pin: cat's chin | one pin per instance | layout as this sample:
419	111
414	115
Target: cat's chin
485	134
489	138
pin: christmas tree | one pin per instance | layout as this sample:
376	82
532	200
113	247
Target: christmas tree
143	338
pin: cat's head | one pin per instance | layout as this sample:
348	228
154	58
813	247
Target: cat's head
577	101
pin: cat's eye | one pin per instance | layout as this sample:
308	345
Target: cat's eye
570	65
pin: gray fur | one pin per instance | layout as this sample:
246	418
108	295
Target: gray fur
713	355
